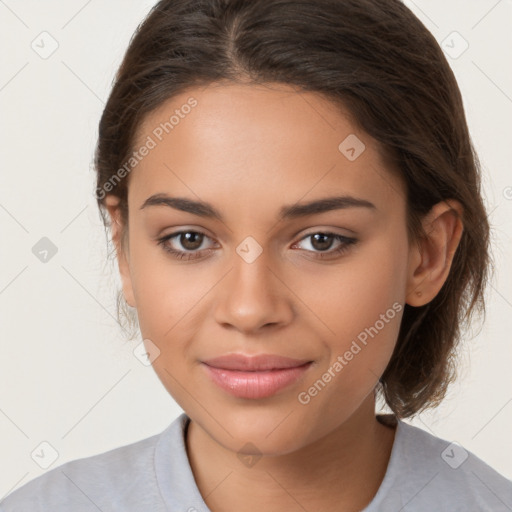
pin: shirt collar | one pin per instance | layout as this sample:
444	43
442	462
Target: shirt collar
179	489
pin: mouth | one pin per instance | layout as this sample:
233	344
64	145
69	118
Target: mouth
255	377
260	362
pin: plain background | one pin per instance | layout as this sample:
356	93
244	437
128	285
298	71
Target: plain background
67	376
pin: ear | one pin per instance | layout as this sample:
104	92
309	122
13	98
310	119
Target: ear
430	259
112	205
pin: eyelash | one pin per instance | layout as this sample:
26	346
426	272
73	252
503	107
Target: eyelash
190	255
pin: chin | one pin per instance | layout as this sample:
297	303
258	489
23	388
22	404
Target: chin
272	430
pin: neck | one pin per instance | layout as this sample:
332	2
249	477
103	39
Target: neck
342	470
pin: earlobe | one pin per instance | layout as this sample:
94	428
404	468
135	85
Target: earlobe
431	258
112	205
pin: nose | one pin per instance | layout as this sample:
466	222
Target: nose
253	296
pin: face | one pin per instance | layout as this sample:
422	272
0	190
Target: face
323	285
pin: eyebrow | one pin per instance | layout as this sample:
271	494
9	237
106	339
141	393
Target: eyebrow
294	211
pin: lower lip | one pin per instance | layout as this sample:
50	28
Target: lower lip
254	385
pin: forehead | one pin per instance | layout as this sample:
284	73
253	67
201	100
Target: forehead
231	144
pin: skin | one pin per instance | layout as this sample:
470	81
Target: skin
249	150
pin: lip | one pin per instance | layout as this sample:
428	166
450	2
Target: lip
260	362
254	377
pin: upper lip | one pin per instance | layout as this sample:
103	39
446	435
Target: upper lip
258	362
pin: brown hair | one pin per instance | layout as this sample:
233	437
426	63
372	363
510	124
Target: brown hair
376	60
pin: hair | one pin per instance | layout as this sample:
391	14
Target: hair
377	61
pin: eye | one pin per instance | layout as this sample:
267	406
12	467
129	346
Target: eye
322	241
190	240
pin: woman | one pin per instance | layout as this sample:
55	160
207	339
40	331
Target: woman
295	205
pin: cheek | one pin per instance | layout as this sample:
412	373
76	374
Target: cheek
360	304
166	292
168	299
352	295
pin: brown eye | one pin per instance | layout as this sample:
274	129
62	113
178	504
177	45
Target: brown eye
191	240
321	241
185	245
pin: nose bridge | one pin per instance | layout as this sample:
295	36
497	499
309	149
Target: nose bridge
251	271
252	295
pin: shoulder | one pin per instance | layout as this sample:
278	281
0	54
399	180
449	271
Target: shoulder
426	472
90	483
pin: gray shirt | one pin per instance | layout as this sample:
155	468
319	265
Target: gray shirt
424	473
